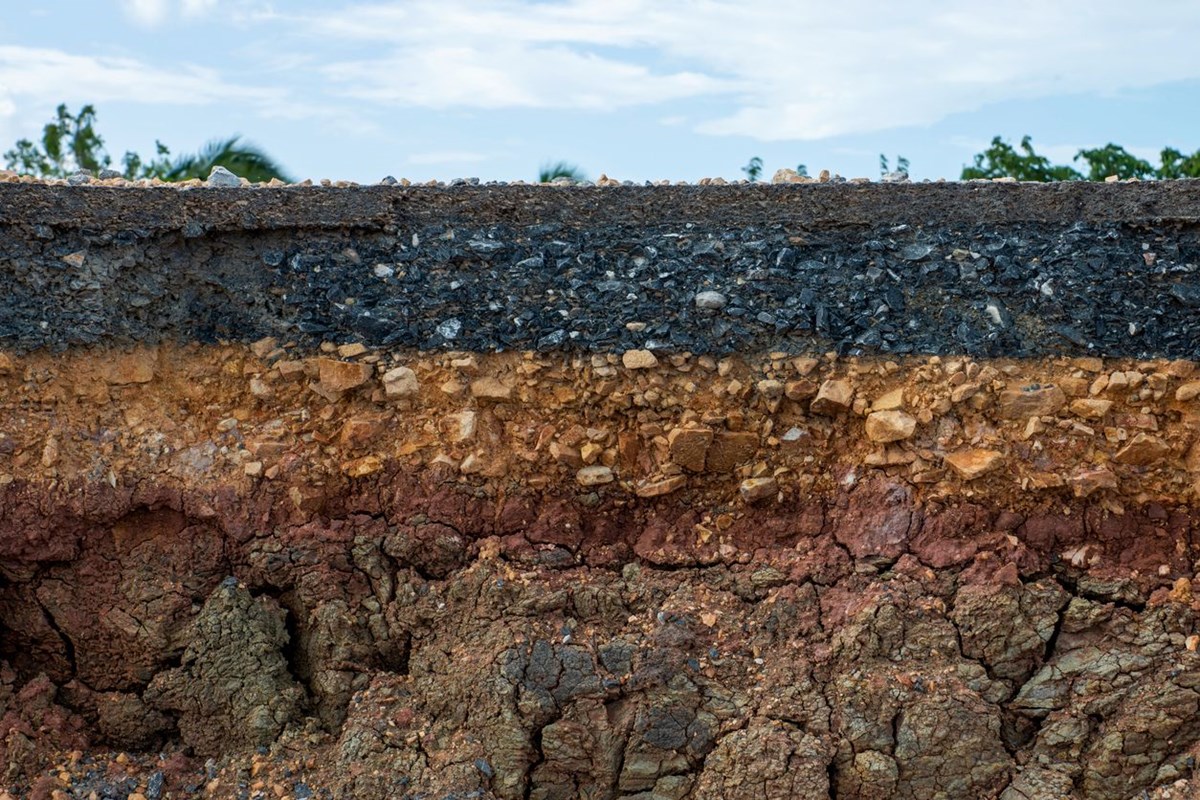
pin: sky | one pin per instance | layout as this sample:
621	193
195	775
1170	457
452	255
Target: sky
635	89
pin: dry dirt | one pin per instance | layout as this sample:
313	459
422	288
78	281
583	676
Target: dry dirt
262	572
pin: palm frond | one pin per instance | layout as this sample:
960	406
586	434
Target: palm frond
245	161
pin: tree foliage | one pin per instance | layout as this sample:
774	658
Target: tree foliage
1002	160
560	169
70	144
753	169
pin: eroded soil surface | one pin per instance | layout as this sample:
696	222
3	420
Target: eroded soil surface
267	572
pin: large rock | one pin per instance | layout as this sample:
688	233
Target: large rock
889	426
1035	400
232	689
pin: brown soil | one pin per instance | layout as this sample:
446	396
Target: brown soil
254	570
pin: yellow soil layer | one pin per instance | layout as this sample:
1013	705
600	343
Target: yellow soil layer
735	430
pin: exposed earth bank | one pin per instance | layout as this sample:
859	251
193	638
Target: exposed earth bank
267	571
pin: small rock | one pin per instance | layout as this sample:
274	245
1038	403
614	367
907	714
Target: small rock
710	300
253	468
689	446
661	487
351	350
361	467
1031	401
136	367
74	259
755	489
889	426
1087	481
594	475
400	382
834	397
1189	391
638	359
341	376
264	346
1142	451
221	178
491	389
566	455
1091	408
800	390
973	463
730	449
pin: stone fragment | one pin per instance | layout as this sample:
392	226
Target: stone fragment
594	475
400	382
834	397
889	426
253	468
221	178
459	427
264	346
661	487
975	462
361	467
638	359
351	350
135	367
710	300
1189	391
1086	481
688	447
1142	451
1091	408
755	489
800	390
1031	401
566	455
491	389
889	401
74	259
341	376
360	431
260	388
729	449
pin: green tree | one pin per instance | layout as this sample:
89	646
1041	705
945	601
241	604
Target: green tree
245	161
1112	159
1176	165
560	169
753	169
1000	160
70	143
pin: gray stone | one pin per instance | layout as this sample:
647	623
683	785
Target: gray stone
221	178
710	299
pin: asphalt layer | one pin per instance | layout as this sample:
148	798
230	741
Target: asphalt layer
985	269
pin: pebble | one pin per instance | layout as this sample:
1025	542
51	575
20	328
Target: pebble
834	397
221	178
889	426
974	463
710	300
639	359
754	490
594	475
400	382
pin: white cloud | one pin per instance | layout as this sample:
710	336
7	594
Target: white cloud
152	13
44	73
147	13
775	71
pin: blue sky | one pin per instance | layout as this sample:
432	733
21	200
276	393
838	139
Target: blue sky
640	89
